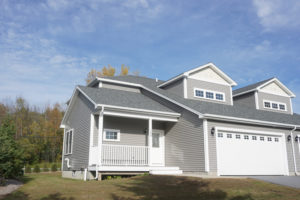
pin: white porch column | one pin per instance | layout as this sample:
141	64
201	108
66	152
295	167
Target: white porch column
149	140
100	137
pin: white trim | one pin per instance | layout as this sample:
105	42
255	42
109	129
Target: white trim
156	93
258	88
206	148
66	151
211	91
289	92
63	149
131	168
112	130
211	65
141	110
100	84
149	140
237	130
291	105
275	102
100	132
231	97
119	114
185	87
293	150
92	124
244	120
256	100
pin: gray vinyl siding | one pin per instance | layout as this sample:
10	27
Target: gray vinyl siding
184	146
245	100
132	131
212	141
297	149
95	132
265	96
79	120
193	83
175	87
120	87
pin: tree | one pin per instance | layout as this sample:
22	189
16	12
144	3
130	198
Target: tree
92	75
124	70
11	155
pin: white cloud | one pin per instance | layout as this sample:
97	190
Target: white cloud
274	14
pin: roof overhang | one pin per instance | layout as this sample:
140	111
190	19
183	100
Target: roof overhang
258	88
208	65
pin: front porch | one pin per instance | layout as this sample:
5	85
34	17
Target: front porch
119	143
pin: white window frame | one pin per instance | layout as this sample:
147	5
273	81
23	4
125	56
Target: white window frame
275	102
111	130
66	150
214	93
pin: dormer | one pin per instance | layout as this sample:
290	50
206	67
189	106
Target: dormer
204	83
270	95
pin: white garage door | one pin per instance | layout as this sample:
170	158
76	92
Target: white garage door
250	154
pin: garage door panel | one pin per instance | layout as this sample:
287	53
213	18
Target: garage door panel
250	156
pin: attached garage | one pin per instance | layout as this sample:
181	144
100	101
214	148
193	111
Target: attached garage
248	152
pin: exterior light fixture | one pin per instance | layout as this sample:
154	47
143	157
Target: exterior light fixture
289	138
213	130
296	138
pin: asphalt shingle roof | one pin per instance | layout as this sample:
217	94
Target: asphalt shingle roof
213	108
123	98
250	87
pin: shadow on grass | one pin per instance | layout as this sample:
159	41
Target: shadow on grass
171	187
22	196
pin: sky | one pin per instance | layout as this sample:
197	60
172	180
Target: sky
48	47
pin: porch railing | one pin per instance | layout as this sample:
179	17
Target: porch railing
124	155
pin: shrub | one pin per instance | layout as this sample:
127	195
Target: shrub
54	167
45	168
27	169
36	169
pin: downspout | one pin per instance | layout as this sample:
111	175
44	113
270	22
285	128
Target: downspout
293	150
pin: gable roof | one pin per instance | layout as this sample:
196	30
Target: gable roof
208	65
259	85
208	108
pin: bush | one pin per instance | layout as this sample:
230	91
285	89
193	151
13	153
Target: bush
36	169
54	167
45	168
27	169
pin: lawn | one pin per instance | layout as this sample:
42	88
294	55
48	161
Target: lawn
52	186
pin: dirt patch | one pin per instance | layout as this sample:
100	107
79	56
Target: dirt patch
11	186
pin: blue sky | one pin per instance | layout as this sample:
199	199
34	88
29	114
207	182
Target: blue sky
48	47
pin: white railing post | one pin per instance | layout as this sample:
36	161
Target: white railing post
100	132
149	140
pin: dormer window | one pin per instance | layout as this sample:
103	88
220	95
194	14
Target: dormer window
274	105
207	94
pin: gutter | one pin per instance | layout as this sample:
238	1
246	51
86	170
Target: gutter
293	151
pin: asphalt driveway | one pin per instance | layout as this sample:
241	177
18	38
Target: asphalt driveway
291	181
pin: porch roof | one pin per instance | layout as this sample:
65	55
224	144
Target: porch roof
121	98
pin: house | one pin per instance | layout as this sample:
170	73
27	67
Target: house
192	123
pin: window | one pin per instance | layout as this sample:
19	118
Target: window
206	94
238	136
220	134
253	137
199	93
209	95
111	135
276	139
219	96
246	137
262	138
155	140
229	135
281	107
267	105
274	105
269	139
69	142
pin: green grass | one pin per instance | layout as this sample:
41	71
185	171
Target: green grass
52	186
